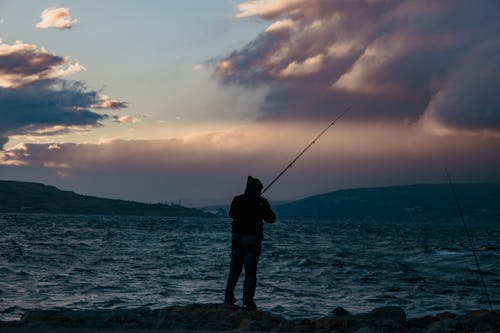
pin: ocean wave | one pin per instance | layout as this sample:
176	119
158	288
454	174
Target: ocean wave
90	262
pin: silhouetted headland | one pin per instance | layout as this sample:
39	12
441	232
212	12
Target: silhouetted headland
25	197
401	203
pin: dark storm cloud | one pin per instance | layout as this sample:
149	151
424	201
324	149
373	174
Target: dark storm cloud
469	96
44	104
244	67
430	61
28	61
35	100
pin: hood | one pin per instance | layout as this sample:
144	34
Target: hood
254	186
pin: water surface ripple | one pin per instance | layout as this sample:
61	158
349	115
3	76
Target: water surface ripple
307	267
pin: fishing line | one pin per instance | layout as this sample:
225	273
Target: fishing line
305	149
471	244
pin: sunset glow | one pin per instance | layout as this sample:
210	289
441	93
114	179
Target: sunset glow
184	99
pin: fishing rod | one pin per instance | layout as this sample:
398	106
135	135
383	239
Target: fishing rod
471	244
305	149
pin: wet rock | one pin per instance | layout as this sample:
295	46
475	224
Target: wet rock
329	324
375	330
382	319
340	312
391	316
14	323
476	321
125	318
429	322
198	316
221	317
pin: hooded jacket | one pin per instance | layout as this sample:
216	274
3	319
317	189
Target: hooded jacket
249	210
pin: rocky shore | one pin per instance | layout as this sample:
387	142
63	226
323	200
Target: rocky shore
222	317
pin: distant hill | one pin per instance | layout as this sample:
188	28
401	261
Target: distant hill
16	197
402	203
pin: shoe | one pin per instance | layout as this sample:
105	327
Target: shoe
251	307
229	300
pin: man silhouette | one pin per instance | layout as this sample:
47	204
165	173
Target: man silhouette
248	210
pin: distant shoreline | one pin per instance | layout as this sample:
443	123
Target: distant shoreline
35	198
417	202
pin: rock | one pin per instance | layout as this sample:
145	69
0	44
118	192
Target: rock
383	319
392	316
476	321
197	317
328	324
340	312
419	324
372	329
221	317
129	318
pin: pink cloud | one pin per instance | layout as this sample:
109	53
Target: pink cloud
213	165
126	119
59	18
395	60
106	102
22	63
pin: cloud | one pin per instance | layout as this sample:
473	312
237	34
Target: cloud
215	164
468	96
45	104
126	119
308	66
275	8
35	99
22	64
3	141
105	102
59	18
419	61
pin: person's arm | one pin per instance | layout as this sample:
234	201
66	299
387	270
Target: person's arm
267	213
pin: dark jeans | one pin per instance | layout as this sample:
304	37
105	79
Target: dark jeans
245	252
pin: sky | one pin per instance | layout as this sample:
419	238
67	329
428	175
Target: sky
181	100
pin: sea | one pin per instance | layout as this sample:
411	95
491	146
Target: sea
307	268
